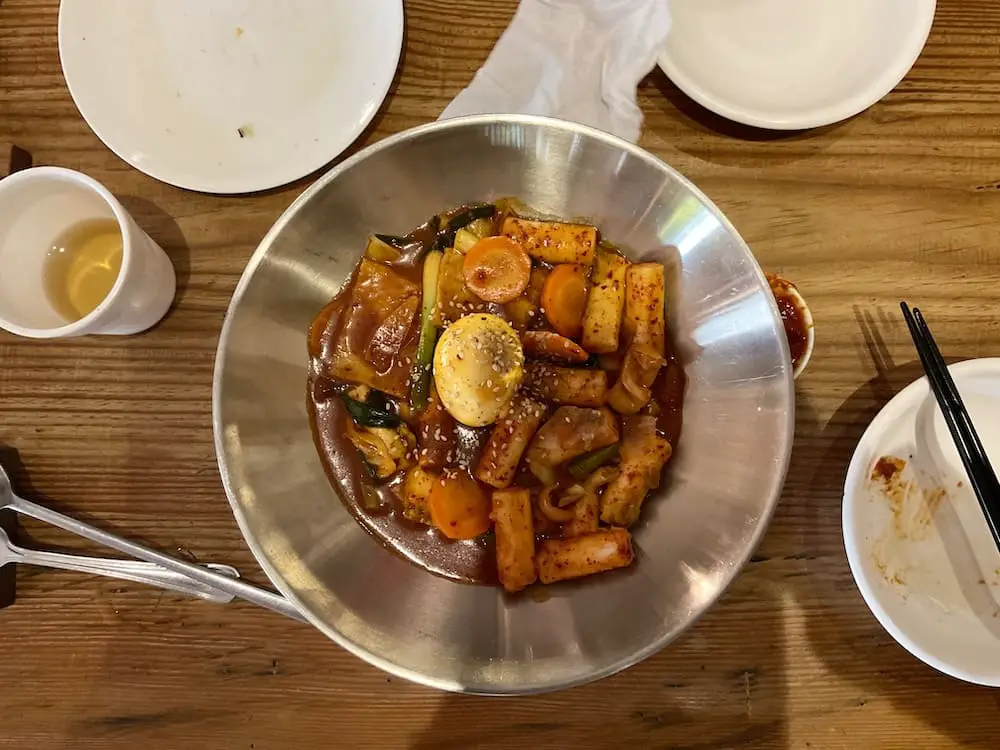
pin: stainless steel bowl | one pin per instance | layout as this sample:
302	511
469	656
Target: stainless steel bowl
695	534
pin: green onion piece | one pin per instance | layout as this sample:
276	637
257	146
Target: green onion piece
381	250
588	463
378	400
481	228
367	415
463	219
420	390
393	241
465	240
444	240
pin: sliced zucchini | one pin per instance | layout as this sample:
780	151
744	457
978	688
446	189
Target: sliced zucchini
485	213
384	248
482	228
465	240
471	214
420	390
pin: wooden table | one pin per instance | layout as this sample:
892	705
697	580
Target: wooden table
903	201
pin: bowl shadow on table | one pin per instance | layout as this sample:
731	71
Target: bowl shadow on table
840	628
678	106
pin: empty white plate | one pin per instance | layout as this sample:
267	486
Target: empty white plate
917	542
229	96
793	64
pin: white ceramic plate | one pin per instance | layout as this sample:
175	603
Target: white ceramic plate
169	85
918	544
793	64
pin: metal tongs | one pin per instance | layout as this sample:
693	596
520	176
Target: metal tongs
212	582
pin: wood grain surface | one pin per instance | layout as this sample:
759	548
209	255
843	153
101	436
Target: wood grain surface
902	201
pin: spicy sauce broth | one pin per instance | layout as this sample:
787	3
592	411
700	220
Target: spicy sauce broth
377	506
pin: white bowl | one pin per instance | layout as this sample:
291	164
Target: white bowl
918	544
793	64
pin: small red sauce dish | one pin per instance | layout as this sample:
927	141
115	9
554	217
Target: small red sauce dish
797	319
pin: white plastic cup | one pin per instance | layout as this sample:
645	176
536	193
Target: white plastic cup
36	206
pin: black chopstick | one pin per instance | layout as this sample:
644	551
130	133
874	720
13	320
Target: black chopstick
970	449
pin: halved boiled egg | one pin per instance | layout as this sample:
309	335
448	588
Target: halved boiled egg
478	366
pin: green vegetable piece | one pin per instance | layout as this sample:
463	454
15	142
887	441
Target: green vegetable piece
378	400
473	216
444	240
397	242
481	228
420	390
585	465
463	219
465	240
367	415
381	249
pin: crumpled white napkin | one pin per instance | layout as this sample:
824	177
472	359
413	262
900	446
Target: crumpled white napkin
579	60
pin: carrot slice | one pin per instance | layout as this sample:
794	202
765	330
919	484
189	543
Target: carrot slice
458	506
564	298
497	269
550	345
